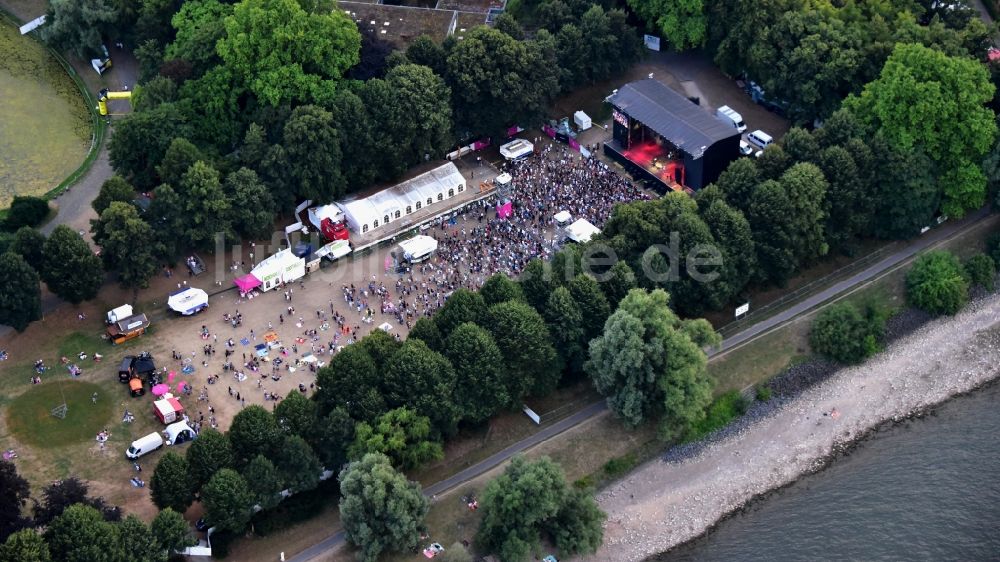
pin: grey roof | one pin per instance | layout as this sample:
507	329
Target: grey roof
678	119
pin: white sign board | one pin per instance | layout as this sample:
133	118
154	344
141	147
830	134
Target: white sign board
652	42
742	309
531	414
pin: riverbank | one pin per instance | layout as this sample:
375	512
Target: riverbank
664	504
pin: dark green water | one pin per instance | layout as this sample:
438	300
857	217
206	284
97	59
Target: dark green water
925	490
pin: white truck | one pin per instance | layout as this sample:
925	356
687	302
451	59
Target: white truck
729	115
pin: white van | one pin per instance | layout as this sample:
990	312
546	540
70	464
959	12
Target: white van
144	445
729	115
760	138
745	148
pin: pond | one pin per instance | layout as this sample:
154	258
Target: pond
45	128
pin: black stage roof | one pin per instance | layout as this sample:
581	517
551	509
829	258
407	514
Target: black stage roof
686	125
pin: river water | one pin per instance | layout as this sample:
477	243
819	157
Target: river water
928	489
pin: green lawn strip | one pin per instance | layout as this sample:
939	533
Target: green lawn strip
30	419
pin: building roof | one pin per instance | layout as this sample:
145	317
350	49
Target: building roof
676	118
396	198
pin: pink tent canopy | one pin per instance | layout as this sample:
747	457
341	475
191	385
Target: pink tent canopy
247	282
160	389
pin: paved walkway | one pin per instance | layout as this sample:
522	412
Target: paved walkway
948	230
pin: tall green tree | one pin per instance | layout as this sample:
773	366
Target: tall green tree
427	52
264	482
594	307
298	464
113	189
177	160
138	541
333	436
312	145
171	531
297	415
937	283
578	527
732	234
167	219
25	546
426	127
170	486
206	207
126	245
141	140
532	364
253	432
738	182
426	330
926	98
843	333
79	26
399	434
228	501
620	281
479	386
70	268
20	293
683	23
424	381
565	321
208	454
351	381
372	523
200	24
81	534
252	209
500	288
462	306
283	52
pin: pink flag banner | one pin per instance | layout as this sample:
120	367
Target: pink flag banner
573	144
506	210
549	131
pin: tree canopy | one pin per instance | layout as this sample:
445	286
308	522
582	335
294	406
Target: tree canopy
937	283
20	294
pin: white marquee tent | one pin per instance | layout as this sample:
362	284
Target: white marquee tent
388	205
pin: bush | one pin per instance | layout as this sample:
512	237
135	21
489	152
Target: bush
585	483
763	393
842	333
620	465
981	270
719	414
937	283
26	211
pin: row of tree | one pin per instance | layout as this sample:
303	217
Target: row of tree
69	525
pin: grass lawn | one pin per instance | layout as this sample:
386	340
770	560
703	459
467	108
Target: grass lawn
30	419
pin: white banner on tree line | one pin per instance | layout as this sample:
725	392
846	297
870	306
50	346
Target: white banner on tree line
652	42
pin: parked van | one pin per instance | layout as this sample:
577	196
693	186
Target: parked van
760	138
125	369
729	115
144	445
745	148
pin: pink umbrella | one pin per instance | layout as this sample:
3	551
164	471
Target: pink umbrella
171	375
160	389
181	386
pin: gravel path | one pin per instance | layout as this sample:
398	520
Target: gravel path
668	502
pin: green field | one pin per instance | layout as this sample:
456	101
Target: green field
30	419
45	128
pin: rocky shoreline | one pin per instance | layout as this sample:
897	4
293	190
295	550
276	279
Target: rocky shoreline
680	497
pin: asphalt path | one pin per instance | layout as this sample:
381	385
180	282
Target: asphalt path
932	237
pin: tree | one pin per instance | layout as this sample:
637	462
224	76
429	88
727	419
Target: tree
14	492
297	464
738	182
375	53
126	245
424	381
26	210
228	501
177	160
619	283
169	486
497	81
252	209
333	437
905	190
682	22
772	162
138	541
800	145
500	288
25	546
426	330
297	415
171	531
806	189
20	294
264	482
981	270
565	322
312	144
843	333
205	205
936	283
479	387
199	25
284	53
141	140
532	363
462	306
113	189
851	205
351	381
647	364
70	268
372	522
399	434
61	494
208	454
578	526
253	432
167	219
79	26
926	98
80	534
426	125
536	282
427	52
734	239
594	307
